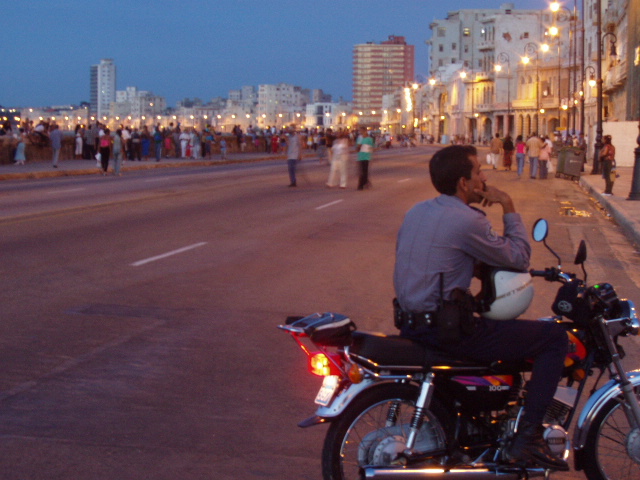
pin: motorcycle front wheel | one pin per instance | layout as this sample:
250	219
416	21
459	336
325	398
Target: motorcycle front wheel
610	442
373	430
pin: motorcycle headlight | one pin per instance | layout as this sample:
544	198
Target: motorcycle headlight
629	311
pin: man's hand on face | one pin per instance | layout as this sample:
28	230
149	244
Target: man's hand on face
491	195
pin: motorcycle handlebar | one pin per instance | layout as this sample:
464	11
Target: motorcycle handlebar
552	274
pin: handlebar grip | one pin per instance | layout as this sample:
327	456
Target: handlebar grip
549	274
538	273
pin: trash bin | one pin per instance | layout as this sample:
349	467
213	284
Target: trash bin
570	162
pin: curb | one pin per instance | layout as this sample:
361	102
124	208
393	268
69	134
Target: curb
131	168
629	227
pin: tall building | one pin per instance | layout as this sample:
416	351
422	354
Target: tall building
379	69
102	86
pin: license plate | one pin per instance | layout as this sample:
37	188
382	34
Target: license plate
329	387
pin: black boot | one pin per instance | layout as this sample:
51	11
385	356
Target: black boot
529	445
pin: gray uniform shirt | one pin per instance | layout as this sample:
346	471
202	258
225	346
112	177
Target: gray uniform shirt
446	235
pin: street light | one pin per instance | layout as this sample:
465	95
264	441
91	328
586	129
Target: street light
598	145
504	58
531	49
563	14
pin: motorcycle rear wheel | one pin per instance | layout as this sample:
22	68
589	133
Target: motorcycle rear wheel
606	456
362	436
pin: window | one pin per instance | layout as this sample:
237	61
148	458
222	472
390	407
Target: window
454	46
441	48
442	31
466	32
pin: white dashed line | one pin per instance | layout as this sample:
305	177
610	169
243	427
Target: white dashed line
404	180
328	204
68	190
168	254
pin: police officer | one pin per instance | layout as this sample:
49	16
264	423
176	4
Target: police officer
439	244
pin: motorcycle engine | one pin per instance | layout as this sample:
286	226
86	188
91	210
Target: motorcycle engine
558	440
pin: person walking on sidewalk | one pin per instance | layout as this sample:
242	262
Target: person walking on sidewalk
608	162
105	150
118	151
56	143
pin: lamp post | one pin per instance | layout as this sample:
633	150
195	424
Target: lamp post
502	59
563	14
436	80
529	50
598	145
592	83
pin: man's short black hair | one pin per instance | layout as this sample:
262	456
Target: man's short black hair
450	164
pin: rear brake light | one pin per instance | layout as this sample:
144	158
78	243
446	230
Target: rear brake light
320	365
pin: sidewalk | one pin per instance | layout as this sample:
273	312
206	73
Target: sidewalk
625	212
43	169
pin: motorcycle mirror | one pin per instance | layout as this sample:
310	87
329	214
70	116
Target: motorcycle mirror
540	230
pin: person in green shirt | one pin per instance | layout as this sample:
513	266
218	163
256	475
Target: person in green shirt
365	151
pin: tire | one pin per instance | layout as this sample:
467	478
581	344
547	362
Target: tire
360	437
605	452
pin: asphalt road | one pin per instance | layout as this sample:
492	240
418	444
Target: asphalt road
138	333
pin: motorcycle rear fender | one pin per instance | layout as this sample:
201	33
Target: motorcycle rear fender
594	405
345	397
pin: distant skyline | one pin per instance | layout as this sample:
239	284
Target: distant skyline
203	48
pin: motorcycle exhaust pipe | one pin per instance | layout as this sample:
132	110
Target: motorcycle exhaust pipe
400	473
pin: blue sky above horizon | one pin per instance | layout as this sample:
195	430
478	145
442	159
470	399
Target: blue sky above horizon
202	48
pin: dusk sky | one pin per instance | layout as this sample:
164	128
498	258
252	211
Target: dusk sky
202	48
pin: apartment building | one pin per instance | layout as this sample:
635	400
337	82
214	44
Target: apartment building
379	69
102	82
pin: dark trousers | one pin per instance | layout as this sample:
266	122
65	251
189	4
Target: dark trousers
546	343
363	180
291	165
104	154
607	165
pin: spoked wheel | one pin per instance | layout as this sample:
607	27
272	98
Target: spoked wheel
373	430
612	450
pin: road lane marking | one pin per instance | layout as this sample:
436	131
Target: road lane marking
168	254
328	204
68	190
404	180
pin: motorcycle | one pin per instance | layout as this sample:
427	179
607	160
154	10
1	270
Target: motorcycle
398	410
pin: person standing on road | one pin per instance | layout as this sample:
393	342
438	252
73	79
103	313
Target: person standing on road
339	161
521	153
534	144
438	248
608	162
294	155
495	148
508	148
365	151
56	143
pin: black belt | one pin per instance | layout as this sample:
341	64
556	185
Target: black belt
412	320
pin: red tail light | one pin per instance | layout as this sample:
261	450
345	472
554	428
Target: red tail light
320	365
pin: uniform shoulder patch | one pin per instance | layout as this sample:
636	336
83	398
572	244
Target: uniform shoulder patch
492	236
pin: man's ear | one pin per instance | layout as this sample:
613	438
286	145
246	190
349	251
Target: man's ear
462	184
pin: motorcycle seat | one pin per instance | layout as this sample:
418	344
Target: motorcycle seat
392	352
